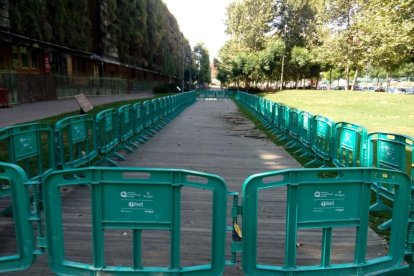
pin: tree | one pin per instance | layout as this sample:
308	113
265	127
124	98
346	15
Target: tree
248	22
270	58
300	60
202	62
388	33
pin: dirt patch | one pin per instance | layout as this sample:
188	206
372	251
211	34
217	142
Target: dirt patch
240	126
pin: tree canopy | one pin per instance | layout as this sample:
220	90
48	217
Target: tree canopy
303	38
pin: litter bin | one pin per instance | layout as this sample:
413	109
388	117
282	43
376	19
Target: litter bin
4	97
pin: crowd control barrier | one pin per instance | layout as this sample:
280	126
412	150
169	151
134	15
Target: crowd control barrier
340	144
305	134
22	256
138	119
214	94
31	146
107	135
389	151
76	141
294	127
126	127
142	200
348	149
322	139
283	114
123	198
326	199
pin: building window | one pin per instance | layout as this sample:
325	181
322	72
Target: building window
16	57
24	57
34	59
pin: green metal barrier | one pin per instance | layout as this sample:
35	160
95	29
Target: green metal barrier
326	199
138	119
126	128
349	143
275	127
107	135
389	151
305	133
147	105
23	258
76	141
283	114
31	146
294	128
140	200
322	137
213	94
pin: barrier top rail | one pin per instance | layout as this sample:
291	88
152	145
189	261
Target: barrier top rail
326	199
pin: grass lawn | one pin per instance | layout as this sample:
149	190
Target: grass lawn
375	111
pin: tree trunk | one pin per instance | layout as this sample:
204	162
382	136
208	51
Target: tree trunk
355	80
388	81
330	79
297	82
347	76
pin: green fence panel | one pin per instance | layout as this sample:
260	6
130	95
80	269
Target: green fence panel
107	134
349	143
275	127
24	245
147	114
126	127
213	94
283	114
305	133
326	199
389	151
155	112
322	138
294	127
76	141
169	107
138	122
140	200
31	146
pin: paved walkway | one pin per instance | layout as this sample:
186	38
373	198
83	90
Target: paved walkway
209	136
29	112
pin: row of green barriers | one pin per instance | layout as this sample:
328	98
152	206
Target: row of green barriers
149	200
342	144
142	201
76	141
214	94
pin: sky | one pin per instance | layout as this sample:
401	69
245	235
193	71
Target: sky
201	21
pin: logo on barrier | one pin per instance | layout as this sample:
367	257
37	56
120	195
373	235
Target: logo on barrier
124	194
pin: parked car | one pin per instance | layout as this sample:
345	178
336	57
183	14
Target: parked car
400	90
369	88
410	90
392	90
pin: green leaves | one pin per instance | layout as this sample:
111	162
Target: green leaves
138	32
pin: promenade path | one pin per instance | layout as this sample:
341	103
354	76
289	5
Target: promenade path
28	112
209	136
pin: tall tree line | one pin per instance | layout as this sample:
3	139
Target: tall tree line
137	32
299	39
